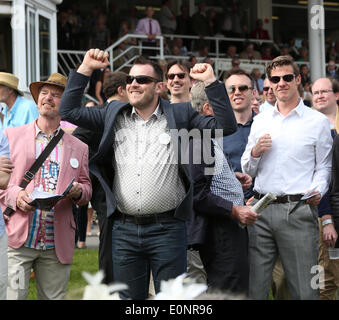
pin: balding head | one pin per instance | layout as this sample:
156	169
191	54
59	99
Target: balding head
323	97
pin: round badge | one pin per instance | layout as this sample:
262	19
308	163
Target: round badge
74	163
164	138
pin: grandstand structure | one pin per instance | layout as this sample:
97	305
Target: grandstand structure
28	34
28	39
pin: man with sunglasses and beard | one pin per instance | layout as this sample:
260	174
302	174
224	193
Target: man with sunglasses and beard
289	154
148	188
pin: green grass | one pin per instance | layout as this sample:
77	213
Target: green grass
84	260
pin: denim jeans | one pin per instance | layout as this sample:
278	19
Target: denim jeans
137	249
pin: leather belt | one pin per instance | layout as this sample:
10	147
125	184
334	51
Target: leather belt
280	199
145	218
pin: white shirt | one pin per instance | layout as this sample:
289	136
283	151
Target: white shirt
265	106
300	157
146	178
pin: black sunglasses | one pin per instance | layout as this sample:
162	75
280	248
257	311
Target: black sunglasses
242	88
266	88
141	79
180	75
286	78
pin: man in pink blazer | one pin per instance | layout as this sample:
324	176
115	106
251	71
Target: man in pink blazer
43	239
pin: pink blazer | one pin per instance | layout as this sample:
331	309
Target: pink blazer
22	153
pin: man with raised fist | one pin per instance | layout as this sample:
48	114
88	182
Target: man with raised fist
147	185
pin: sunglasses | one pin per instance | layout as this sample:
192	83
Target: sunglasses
266	88
242	88
286	78
141	79
180	75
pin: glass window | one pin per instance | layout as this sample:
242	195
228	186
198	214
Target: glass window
45	47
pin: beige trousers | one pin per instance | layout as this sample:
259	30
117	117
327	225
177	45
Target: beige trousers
51	276
279	283
331	269
3	265
195	267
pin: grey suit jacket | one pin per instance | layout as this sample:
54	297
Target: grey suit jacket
179	116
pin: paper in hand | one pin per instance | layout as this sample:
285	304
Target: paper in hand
310	194
45	200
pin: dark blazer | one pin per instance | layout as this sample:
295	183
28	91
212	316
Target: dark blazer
334	196
179	116
206	205
92	139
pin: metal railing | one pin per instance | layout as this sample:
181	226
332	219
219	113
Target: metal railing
216	40
69	59
128	53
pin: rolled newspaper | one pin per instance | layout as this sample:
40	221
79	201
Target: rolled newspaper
261	205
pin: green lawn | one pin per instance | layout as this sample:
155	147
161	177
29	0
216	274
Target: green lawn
84	260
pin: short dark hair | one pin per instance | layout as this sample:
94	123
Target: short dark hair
238	72
157	69
112	82
183	65
335	84
300	89
191	57
282	61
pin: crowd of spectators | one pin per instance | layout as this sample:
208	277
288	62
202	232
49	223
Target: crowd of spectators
101	28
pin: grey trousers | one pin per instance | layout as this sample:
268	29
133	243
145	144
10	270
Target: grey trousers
295	238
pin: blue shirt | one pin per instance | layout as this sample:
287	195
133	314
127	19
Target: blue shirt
259	85
4	151
234	146
23	111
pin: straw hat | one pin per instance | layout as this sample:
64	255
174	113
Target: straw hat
11	81
55	79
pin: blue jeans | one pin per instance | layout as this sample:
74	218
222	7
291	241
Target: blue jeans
137	249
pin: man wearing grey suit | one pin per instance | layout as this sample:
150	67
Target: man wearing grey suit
289	153
148	188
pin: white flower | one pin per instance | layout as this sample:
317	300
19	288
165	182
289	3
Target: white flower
99	291
180	289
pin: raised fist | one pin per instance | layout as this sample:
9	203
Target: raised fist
94	59
203	72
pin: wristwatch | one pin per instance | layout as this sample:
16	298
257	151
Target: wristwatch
327	221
